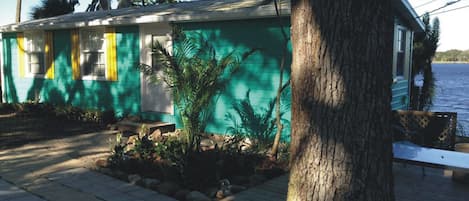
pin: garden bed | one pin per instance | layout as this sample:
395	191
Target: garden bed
222	166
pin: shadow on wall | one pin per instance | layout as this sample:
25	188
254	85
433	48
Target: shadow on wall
122	95
259	73
9	84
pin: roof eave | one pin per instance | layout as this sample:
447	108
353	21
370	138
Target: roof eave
409	14
236	14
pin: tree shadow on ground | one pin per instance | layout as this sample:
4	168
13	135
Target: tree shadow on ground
16	131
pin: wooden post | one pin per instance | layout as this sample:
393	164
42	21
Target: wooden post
18	11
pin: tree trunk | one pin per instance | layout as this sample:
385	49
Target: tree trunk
341	93
18	11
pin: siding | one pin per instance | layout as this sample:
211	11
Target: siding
259	73
122	95
400	96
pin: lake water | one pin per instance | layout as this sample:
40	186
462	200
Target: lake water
452	91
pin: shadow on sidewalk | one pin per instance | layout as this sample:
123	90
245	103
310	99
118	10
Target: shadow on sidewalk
16	131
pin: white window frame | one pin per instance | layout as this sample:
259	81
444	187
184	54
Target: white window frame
401	49
84	50
398	48
29	46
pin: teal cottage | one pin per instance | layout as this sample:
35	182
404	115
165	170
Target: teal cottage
89	59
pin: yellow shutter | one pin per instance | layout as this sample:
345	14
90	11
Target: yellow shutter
75	54
49	54
111	56
21	65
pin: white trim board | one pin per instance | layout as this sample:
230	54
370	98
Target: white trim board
2	76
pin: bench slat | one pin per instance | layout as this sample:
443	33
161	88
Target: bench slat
435	157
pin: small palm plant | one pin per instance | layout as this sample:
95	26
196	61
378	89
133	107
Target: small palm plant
258	125
196	75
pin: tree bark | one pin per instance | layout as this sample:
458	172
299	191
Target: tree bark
341	93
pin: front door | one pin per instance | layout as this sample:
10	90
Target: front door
155	97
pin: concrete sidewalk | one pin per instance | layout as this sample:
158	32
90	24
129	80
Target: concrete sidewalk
409	185
58	170
9	192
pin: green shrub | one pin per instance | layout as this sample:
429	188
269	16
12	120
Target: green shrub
117	152
66	112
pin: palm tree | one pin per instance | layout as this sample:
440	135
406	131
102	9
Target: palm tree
425	45
51	8
195	75
96	5
129	3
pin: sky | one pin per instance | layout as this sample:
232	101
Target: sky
453	24
8	9
454	27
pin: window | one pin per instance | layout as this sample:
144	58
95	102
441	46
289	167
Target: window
401	51
34	53
93	54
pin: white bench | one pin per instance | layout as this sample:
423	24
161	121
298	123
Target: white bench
408	152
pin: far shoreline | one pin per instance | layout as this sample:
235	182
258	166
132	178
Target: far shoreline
450	62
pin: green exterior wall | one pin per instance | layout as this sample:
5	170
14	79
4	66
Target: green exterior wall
10	74
123	96
400	95
259	73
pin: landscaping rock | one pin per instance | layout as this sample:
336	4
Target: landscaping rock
131	142
207	144
225	189
246	144
156	136
257	179
151	183
176	133
181	194
168	188
197	196
134	178
222	194
102	163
